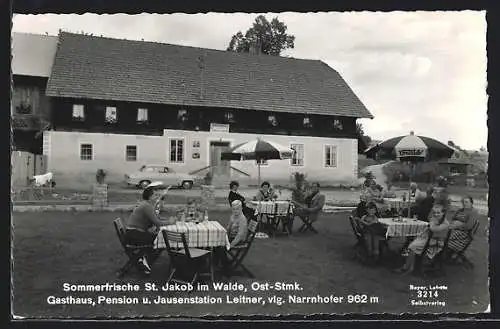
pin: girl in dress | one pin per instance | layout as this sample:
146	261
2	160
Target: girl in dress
438	226
374	231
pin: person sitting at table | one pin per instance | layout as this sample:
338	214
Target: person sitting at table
192	211
438	226
462	221
235	195
424	206
371	194
314	203
143	225
374	231
265	193
415	193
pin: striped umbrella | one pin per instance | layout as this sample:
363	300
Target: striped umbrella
411	149
258	150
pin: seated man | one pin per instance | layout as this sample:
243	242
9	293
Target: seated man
423	207
266	193
416	193
235	195
315	202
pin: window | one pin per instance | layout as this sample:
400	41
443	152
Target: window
298	156
111	116
330	156
78	112
337	124
142	115
131	153
26	99
229	116
272	120
86	152
176	150
182	115
262	162
307	122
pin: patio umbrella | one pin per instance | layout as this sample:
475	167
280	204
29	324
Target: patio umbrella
410	149
258	150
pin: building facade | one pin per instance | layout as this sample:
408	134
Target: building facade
120	104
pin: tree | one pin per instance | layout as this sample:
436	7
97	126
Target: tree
363	140
270	38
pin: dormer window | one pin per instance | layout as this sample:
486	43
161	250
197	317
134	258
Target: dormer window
78	112
229	117
272	120
182	115
142	115
307	122
337	124
111	114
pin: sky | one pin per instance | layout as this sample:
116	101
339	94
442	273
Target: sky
414	71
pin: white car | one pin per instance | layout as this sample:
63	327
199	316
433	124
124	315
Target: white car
164	174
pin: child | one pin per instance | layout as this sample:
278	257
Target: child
374	231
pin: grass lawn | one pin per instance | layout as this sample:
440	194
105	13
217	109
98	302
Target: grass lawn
82	248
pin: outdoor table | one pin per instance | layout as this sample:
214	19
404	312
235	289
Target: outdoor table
406	228
207	234
276	212
397	203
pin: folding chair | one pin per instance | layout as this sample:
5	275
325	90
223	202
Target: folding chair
307	226
192	258
238	253
435	265
458	246
134	252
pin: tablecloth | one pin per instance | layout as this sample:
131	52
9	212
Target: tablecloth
408	227
278	207
202	235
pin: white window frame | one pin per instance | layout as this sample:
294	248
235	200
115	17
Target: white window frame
337	124
182	115
293	158
229	117
307	122
111	117
82	158
130	159
170	149
78	112
335	158
145	114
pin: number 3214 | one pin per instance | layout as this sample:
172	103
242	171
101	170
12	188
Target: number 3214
427	294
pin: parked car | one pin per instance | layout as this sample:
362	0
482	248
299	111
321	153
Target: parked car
149	173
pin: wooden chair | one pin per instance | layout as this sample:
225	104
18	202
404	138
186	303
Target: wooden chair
457	247
238	253
134	252
186	258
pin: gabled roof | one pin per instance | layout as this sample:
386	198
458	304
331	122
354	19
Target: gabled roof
137	71
33	54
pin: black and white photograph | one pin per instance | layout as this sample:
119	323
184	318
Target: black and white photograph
239	164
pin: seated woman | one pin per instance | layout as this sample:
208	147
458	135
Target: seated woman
374	231
234	195
370	194
143	225
237	230
439	226
266	193
462	222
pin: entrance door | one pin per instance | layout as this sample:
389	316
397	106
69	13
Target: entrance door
219	167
